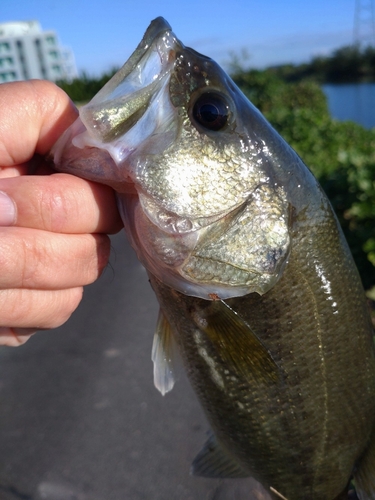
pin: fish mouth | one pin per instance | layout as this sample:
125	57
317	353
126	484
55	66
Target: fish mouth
124	99
133	107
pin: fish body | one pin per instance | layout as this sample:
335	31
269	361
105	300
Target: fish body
255	281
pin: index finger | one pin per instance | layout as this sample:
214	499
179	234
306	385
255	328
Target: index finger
33	114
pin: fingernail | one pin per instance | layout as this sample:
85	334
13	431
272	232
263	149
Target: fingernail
7	210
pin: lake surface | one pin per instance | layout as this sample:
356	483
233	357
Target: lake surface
354	102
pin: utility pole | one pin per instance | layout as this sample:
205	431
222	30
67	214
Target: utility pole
364	23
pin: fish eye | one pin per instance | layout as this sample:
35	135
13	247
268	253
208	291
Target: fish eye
211	110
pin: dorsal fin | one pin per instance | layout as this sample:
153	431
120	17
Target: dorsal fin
163	355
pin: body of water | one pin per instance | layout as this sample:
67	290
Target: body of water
354	102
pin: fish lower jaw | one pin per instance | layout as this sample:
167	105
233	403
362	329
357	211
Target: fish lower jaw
217	281
202	290
174	258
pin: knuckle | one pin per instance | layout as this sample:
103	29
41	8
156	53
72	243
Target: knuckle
56	205
24	258
34	259
35	263
30	258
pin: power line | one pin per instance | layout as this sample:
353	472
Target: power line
364	23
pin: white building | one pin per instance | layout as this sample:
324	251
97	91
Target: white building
28	52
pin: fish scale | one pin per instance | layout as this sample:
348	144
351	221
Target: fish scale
293	337
257	287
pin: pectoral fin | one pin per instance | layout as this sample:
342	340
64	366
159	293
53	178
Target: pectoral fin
236	343
364	474
212	461
163	355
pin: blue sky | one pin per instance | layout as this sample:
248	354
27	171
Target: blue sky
103	33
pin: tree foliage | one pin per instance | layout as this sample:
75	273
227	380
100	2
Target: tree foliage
83	89
349	64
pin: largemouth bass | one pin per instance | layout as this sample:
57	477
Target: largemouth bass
257	287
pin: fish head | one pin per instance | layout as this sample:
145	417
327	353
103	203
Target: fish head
197	188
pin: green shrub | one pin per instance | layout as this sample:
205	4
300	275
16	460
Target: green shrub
340	154
83	89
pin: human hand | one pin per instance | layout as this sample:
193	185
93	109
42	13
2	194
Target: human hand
52	227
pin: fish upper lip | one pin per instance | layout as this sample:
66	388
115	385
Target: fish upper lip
125	98
157	27
122	106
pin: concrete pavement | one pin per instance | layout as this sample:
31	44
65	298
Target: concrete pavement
80	418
